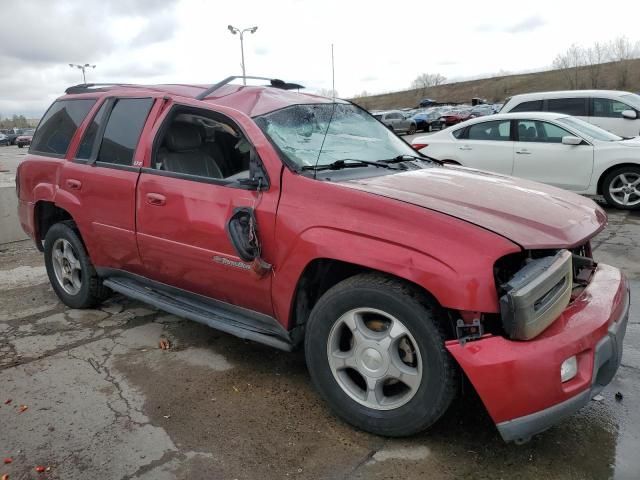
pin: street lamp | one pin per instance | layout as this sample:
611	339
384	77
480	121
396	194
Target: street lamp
235	30
83	68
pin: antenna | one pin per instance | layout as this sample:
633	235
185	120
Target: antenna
333	76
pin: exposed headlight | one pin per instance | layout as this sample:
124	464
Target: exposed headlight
569	369
536	295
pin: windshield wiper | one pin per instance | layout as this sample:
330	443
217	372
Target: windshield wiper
347	163
409	158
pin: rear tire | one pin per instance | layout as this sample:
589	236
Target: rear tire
621	188
70	271
412	129
363	390
20	145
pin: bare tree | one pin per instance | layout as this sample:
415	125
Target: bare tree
328	92
569	64
595	56
622	52
426	80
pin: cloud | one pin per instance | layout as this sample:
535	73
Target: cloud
159	28
141	70
261	50
369	78
527	24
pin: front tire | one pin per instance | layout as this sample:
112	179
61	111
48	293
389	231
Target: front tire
70	271
375	352
621	188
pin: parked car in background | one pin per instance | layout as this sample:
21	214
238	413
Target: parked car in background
559	150
4	139
13	134
299	221
497	107
482	110
397	121
613	110
427	121
454	117
24	140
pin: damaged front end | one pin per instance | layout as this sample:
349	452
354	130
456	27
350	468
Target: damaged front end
535	287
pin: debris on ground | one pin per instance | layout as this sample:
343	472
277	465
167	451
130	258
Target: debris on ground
22	408
8	460
619	396
40	469
164	344
598	398
4	477
7	402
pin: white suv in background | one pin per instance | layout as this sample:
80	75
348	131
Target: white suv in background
613	110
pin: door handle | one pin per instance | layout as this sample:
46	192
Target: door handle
156	199
524	151
73	184
465	147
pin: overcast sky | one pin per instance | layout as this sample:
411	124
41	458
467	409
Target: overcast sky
379	45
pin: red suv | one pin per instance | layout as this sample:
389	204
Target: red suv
296	220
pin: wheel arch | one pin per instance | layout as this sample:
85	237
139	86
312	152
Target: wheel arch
321	274
46	214
610	169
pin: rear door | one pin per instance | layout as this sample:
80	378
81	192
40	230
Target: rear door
487	146
540	155
576	106
102	177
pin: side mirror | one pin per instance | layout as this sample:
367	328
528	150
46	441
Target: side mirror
571	140
629	114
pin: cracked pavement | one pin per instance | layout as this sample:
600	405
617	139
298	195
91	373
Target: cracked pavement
105	402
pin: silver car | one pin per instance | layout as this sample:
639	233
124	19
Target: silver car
397	121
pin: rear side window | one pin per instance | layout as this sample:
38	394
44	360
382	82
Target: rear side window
58	126
568	106
495	131
123	129
86	146
533	106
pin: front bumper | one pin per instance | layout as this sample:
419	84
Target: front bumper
519	381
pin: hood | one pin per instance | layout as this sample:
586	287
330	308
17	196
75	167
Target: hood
530	214
632	142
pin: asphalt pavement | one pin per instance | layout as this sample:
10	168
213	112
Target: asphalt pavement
89	394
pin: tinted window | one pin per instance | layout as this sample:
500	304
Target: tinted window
496	130
534	106
86	146
605	107
458	133
123	130
58	125
568	106
543	132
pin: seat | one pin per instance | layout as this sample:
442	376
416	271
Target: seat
183	152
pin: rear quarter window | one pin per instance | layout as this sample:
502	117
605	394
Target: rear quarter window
533	106
568	106
59	124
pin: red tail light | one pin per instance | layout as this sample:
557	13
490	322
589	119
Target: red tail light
419	146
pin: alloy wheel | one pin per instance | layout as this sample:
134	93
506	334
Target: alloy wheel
374	358
625	189
66	266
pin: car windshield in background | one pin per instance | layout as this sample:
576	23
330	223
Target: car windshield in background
589	130
352	134
632	99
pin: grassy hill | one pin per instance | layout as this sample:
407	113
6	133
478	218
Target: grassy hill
496	89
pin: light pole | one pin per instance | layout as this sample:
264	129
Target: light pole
83	68
235	30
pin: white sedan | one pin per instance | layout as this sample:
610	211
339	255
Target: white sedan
551	148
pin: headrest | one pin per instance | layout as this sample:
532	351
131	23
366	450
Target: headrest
183	136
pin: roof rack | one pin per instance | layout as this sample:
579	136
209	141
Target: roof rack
274	82
88	87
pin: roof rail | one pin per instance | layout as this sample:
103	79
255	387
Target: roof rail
88	87
276	83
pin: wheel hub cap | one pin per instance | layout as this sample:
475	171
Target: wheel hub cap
372	359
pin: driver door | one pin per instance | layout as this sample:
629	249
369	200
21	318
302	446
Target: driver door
540	155
185	201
